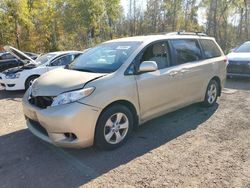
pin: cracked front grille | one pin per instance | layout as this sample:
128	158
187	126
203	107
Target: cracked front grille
41	102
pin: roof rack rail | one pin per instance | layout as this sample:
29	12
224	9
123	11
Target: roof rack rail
187	33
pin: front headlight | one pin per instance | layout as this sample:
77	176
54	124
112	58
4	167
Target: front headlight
12	76
72	96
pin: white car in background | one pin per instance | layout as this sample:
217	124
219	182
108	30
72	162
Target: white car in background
20	78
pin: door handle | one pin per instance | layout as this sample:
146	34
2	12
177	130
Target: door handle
173	73
184	70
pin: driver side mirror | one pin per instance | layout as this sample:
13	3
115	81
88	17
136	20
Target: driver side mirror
148	66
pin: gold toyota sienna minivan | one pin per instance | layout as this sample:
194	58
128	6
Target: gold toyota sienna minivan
110	89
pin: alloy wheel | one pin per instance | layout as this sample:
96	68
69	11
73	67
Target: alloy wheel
116	128
212	93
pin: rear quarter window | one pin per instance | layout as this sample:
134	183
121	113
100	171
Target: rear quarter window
210	49
186	50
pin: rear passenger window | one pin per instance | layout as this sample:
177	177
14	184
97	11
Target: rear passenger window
211	50
186	50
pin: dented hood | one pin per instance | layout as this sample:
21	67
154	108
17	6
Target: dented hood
59	81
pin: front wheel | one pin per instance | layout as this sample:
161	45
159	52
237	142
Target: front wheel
113	127
29	81
211	93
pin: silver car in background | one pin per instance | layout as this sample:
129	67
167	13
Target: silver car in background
239	61
120	84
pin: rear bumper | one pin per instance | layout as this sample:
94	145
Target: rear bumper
223	77
54	123
238	68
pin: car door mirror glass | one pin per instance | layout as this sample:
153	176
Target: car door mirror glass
148	66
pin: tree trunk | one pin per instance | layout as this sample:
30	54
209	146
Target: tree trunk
174	17
186	14
17	33
130	18
110	27
246	18
215	18
134	26
240	25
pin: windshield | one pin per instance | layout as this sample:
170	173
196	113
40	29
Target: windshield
44	58
105	58
243	48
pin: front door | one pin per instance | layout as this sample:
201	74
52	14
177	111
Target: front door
157	90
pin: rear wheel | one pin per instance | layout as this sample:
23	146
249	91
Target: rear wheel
211	93
29	81
114	127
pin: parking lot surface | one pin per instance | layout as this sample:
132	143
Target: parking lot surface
192	147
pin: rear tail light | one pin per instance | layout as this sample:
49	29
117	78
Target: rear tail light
226	60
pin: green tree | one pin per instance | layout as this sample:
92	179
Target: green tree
14	22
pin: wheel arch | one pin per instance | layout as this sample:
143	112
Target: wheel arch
217	79
129	105
33	75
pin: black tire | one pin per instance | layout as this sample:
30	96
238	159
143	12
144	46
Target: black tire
208	101
29	81
101	127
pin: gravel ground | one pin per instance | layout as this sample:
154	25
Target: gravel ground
192	147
